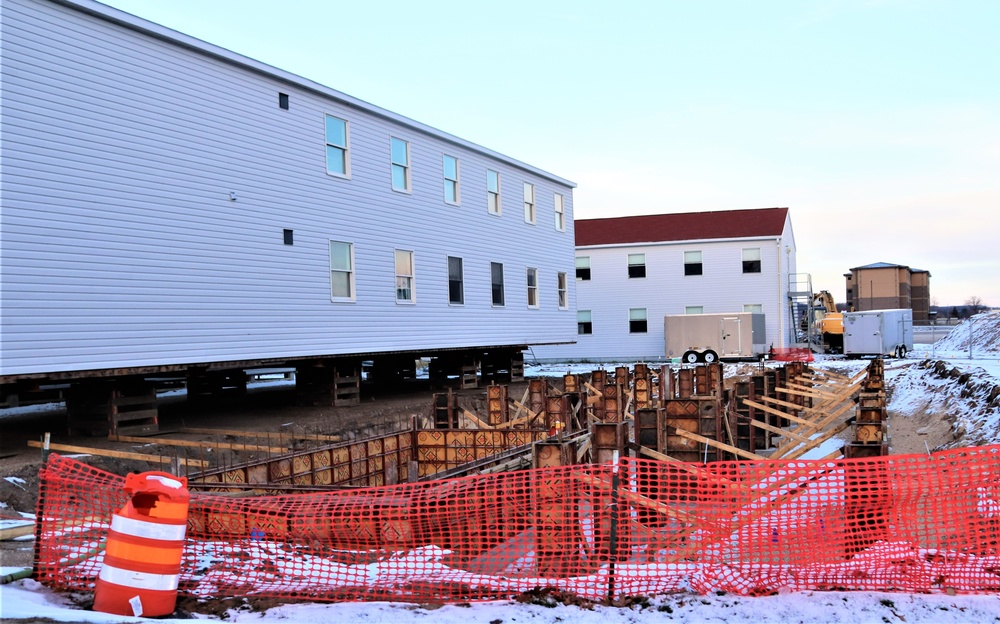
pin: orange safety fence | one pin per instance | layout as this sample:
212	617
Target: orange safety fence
913	523
791	354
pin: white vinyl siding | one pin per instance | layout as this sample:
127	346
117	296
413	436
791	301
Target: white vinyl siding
127	220
609	295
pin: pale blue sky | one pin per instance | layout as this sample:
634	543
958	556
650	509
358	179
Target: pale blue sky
876	122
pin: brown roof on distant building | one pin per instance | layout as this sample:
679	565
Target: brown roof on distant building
681	226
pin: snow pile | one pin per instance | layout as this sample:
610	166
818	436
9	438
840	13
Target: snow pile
982	329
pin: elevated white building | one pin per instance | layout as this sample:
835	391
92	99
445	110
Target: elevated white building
632	271
170	205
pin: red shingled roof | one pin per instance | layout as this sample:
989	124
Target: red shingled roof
681	226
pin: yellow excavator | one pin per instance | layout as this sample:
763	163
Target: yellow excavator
828	323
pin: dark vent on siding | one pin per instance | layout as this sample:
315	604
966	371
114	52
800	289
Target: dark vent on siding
283	101
289	237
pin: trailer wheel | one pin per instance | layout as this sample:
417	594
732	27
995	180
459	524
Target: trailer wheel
901	351
710	357
690	357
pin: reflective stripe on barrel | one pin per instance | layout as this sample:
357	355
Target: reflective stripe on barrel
138	580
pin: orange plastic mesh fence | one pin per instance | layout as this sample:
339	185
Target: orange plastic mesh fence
918	523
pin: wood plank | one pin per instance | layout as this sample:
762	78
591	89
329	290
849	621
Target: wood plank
475	419
197	463
256	448
694	469
271	435
816	442
777	430
635	499
14	532
719	445
777	412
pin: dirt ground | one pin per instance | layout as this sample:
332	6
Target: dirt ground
272	410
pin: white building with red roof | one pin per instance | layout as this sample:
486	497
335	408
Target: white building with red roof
633	271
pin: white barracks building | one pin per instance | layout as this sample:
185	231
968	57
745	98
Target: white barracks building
632	271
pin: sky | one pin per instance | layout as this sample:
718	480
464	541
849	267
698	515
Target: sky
877	122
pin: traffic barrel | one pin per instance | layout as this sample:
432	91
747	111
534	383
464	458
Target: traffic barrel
142	559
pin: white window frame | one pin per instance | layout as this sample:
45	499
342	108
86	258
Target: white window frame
461	281
633	315
531	282
453	184
349	271
689	261
529	203
754	256
753	308
694	309
494	203
560	212
345	149
408	280
493	285
637	260
562	288
581	260
395	166
580	315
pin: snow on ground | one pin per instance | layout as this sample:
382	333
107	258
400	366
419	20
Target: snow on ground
913	389
28	599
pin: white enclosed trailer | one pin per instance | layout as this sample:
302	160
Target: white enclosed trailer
878	332
712	337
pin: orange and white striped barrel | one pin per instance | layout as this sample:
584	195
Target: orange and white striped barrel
142	559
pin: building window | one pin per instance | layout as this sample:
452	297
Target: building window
637	265
496	281
751	260
755	308
493	192
560	213
283	101
404	276
692	263
451	194
529	203
341	271
694	309
583	268
400	157
563	291
338	154
584	325
532	282
456	286
637	320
